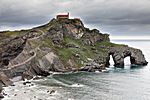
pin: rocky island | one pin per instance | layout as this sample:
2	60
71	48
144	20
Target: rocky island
62	45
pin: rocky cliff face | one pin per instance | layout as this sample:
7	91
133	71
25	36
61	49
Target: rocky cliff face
10	49
60	46
121	52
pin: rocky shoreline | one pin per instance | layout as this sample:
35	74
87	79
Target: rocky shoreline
62	45
29	90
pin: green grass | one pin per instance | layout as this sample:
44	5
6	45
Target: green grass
65	53
84	51
108	44
69	53
13	33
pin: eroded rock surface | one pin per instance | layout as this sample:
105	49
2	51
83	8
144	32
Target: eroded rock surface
10	49
119	53
60	46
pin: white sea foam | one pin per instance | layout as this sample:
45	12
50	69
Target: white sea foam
77	85
30	91
71	99
97	71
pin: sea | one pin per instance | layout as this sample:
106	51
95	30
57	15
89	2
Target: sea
114	84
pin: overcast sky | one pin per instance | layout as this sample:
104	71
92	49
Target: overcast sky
116	17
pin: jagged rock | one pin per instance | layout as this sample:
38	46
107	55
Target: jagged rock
52	91
5	80
92	67
10	49
121	52
60	46
51	62
27	75
36	70
71	65
27	82
69	45
1	96
1	87
1	91
93	36
57	38
32	34
75	29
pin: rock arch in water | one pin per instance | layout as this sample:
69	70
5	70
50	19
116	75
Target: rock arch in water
120	53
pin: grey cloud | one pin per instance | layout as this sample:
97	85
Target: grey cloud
118	17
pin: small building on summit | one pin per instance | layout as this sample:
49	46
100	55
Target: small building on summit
63	16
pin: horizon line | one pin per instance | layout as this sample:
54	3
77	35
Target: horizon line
129	37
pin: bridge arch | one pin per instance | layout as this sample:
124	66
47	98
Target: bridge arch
118	59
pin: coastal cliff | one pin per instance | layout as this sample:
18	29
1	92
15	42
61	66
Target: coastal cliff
62	45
